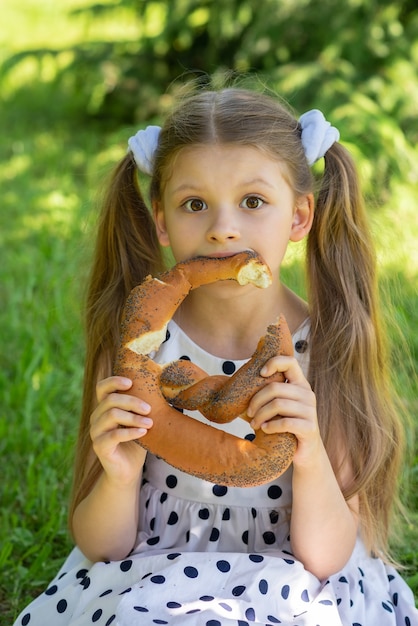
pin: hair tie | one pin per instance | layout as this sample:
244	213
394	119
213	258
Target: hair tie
143	146
317	135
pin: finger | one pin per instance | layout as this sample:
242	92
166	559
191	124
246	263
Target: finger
278	391
301	428
117	416
109	385
280	409
281	399
124	402
282	425
288	366
272	408
106	444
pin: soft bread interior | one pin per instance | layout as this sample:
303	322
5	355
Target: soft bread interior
148	342
254	273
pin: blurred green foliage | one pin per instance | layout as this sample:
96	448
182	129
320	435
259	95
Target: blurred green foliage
356	60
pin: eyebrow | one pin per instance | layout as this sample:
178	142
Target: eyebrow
248	183
258	181
186	186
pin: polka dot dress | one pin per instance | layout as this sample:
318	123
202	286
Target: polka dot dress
208	555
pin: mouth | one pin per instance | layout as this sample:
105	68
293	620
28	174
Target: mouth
226	255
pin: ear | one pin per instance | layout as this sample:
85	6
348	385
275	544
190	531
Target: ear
302	218
160	225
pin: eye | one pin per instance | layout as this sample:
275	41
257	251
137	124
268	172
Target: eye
252	202
194	205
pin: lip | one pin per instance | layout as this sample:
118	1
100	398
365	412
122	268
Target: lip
224	255
221	255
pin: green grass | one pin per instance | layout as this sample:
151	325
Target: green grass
50	167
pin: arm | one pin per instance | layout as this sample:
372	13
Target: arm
323	526
105	523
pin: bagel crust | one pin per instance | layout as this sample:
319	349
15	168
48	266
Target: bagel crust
183	442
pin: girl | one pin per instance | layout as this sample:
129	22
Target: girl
230	170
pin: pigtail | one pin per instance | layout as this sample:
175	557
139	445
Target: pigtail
348	356
126	251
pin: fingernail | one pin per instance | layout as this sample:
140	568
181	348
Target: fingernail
263	371
147	421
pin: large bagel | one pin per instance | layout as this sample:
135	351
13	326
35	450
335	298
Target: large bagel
183	442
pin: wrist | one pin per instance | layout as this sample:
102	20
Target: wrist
310	456
120	485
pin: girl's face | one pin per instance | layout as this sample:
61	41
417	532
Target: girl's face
221	199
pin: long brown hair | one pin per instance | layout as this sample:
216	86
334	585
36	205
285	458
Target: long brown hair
348	367
126	251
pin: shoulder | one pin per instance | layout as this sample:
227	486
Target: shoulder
295	309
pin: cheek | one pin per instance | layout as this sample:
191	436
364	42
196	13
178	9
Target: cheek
275	241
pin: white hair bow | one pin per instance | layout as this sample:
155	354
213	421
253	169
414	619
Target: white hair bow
143	146
317	135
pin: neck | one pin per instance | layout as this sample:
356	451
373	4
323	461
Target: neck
229	322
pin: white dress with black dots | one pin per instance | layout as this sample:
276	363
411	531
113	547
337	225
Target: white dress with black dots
208	555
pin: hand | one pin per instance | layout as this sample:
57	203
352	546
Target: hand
118	420
287	407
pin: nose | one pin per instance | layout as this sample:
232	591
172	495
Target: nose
223	228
